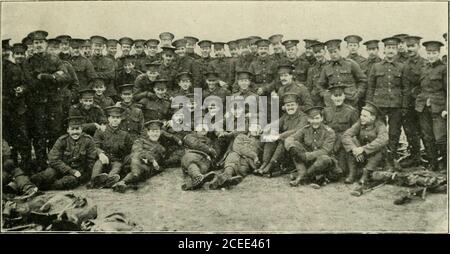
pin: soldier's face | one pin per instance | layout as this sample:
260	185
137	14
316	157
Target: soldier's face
234	52
254	130
112	50
160	92
152	75
244	83
139	49
128	67
263	51
366	117
86	51
126	49
178	117
206	51
334	53
220	52
184	84
202	129
52	50
277	48
338	98
244	51
254	48
372	52
87	102
213	109
75	131
65	47
291	52
6	53
402	47
315	121
30	51
309	51
353	47
167	58
40	46
19	57
153	134
181	51
127	97
320	55
114	121
190	48
291	107
152	50
285	78
76	51
390	51
413	49
97	49
211	83
433	55
99	89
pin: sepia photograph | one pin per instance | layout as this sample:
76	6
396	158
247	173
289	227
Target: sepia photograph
284	117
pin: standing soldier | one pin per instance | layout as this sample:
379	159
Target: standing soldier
253	44
410	117
132	117
168	69
113	145
29	43
166	39
402	55
83	67
243	61
341	71
263	67
183	62
388	89
311	148
104	66
111	48
45	75
222	65
152	54
432	105
353	47
366	140
190	47
126	44
314	75
100	99
372	50
340	117
86	48
70	160
308	55
94	117
128	74
234	49
64	46
202	63
143	84
300	66
278	54
140	56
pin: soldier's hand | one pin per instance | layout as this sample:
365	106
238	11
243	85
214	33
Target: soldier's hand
444	114
360	158
259	91
76	173
46	77
222	83
256	161
118	104
102	127
357	151
145	160
103	158
155	165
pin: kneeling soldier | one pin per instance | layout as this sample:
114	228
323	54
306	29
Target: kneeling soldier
146	155
113	145
311	146
71	159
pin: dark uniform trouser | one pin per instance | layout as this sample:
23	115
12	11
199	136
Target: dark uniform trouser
370	163
10	173
275	152
47	121
434	134
412	131
114	168
194	164
53	179
139	170
236	165
394	116
321	165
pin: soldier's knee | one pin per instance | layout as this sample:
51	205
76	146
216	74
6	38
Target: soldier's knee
65	183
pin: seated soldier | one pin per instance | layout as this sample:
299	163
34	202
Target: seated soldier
241	158
274	153
340	117
143	86
71	159
157	106
146	156
367	141
213	86
197	162
184	81
311	148
98	84
128	74
94	117
113	146
14	180
132	117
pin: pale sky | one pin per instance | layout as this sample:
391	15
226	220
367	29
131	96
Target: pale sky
224	21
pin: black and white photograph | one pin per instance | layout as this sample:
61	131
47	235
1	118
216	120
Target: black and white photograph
250	117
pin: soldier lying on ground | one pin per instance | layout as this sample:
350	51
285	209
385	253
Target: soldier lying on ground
241	158
113	146
71	159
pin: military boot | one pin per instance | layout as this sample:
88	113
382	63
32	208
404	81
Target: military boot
99	181
365	177
259	171
65	183
351	175
267	171
120	187
413	160
113	179
301	176
391	164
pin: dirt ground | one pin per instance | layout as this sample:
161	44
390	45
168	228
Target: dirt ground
262	204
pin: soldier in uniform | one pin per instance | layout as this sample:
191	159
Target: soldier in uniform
199	159
309	55
314	75
372	50
340	117
213	87
432	106
278	54
94	116
341	71
254	45
190	47
234	49
64	46
126	44
402	55
311	148
388	89
410	117
243	61
128	74
300	66
157	105
83	67
166	39
222	65
143	86
202	63
111	49
29	43
183	62
292	120
132	117
98	85
139	56
71	159
45	75
86	48
263	67
244	80
104	66
168	69
147	155
353	47
184	81
152	54
366	140
113	145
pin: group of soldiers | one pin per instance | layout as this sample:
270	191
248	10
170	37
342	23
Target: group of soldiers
91	117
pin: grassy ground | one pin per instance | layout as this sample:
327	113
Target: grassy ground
261	204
